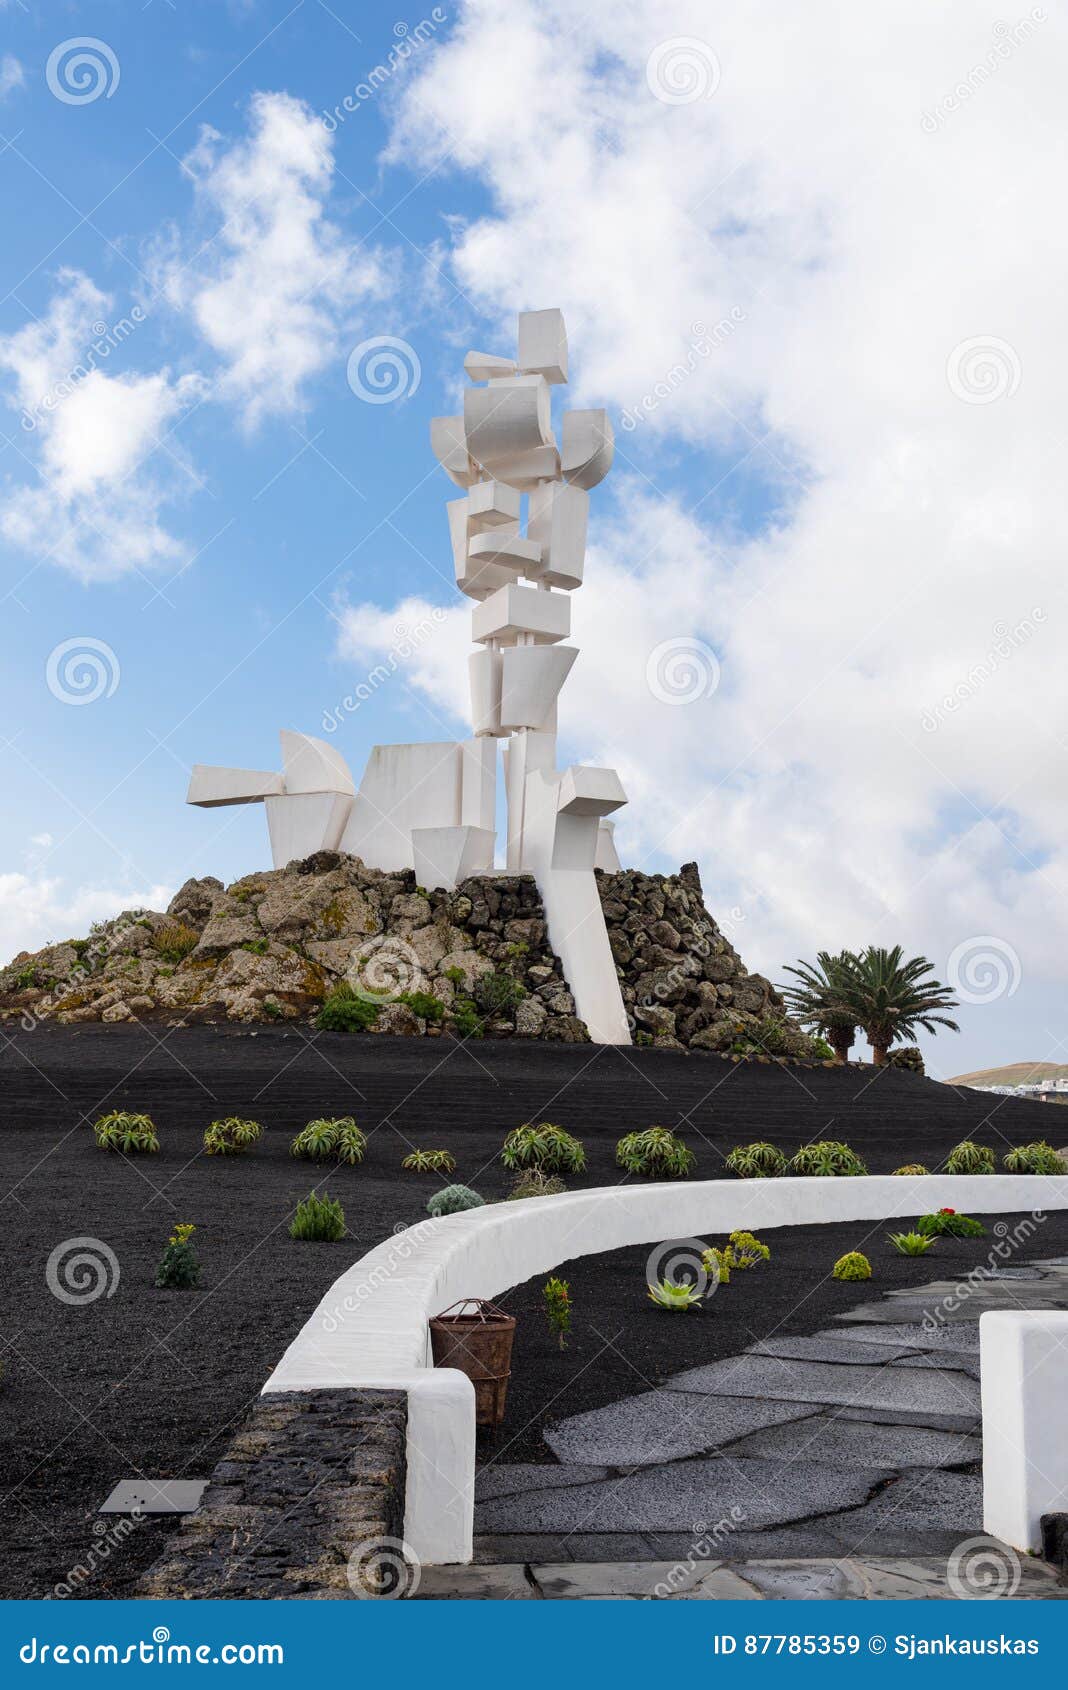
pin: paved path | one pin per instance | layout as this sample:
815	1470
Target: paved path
802	1459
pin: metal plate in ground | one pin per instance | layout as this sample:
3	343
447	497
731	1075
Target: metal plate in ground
154	1496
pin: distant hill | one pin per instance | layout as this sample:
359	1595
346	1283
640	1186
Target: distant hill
1013	1074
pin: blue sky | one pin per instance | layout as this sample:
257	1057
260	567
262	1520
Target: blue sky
825	498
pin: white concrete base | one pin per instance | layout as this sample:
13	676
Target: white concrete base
1024	1371
370	1329
443	856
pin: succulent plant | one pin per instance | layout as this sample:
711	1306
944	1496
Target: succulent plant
658	1153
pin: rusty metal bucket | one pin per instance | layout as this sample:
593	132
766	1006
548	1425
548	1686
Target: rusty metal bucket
476	1337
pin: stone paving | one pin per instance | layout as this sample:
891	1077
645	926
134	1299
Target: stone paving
850	1456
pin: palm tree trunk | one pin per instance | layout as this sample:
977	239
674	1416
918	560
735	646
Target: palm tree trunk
840	1040
879	1054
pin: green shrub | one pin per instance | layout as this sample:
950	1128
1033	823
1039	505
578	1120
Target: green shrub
769	1037
178	1267
132	1134
543	1146
533	1183
345	1011
912	1243
756	1161
970	1158
827	1157
747	1250
717	1262
340	1137
497	993
258	947
423	1004
912	1169
430	1162
948	1224
175	941
675	1298
556	1300
453	1200
852	1266
656	1153
466	1019
318	1219
1037	1158
231	1136
821	1050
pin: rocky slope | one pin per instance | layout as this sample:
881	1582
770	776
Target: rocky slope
274	945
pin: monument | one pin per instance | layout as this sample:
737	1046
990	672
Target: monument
433	807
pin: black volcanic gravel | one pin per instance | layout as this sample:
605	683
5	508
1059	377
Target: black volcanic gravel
153	1382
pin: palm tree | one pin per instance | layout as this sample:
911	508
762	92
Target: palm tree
891	997
821	1000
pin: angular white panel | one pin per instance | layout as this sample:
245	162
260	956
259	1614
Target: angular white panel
302	823
403	786
210	787
311	765
558	519
444	856
491	504
587	447
531	678
543	345
484	677
606	857
478	784
448	442
522	610
509	551
483	366
475	576
585	791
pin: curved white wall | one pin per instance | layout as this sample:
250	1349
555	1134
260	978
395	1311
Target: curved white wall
370	1329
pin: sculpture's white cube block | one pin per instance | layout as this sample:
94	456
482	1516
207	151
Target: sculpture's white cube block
522	610
210	787
585	791
506	550
531	679
448	442
587	447
444	856
543	345
477	576
558	518
606	856
492	504
1023	1365
484	366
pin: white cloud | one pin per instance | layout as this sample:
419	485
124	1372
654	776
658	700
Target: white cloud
274	286
90	438
868	193
12	75
39	909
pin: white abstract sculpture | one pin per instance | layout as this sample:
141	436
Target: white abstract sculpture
432	807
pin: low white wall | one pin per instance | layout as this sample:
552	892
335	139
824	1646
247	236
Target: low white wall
1024	1368
370	1329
